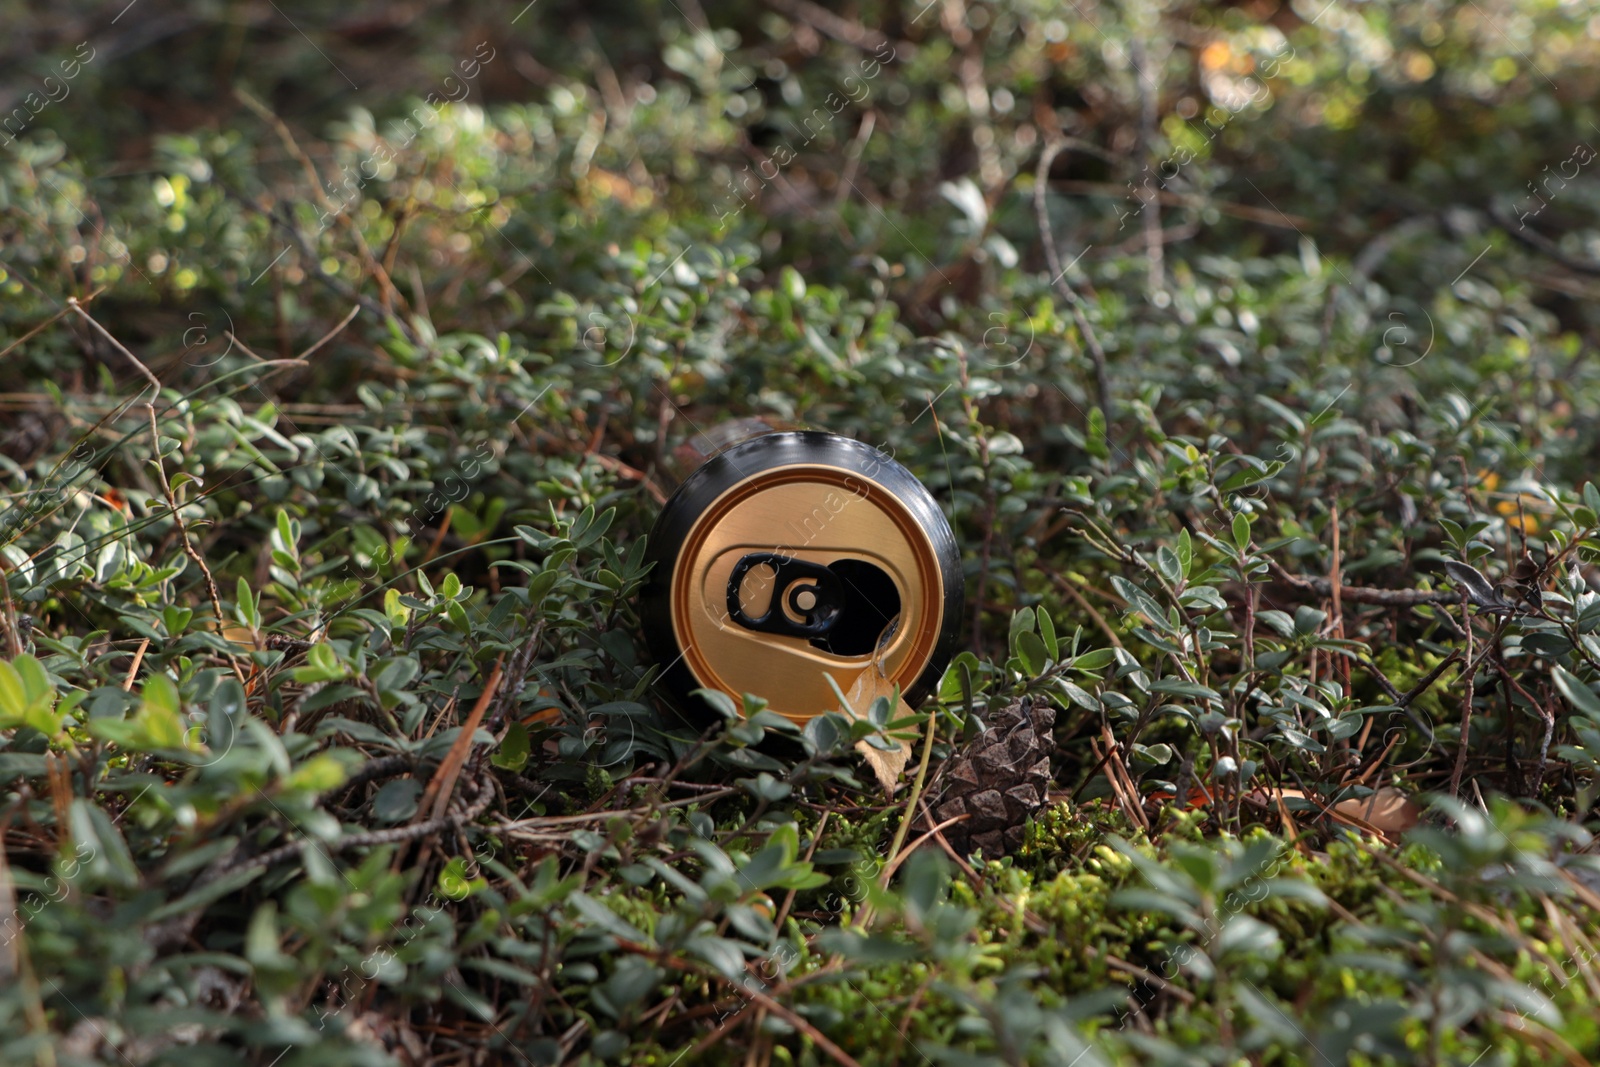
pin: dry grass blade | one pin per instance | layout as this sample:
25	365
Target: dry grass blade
1086	331
1122	782
901	856
8	907
1551	1041
437	796
133	668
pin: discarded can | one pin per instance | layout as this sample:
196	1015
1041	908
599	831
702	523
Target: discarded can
793	555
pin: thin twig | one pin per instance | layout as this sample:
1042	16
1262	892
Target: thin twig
72	302
1466	701
1545	714
1148	79
188	545
292	146
313	259
901	856
848	31
373	837
1427	680
1058	274
331	334
1541	244
1259	215
1359	594
761	999
45	325
383	767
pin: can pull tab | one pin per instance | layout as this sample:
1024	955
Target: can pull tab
810	590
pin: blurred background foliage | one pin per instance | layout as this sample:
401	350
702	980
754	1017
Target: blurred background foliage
1246	346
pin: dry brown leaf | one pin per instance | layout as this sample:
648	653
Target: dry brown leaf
887	764
1388	809
239	635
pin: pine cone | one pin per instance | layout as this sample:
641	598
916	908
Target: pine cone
998	780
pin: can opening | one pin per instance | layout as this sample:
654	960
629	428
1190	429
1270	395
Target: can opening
871	602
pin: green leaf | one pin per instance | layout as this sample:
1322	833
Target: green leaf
13	698
775	864
393	675
765	787
322	665
207	893
512	755
721	953
1300	740
1241	531
1032	651
1579	695
1203	596
176	619
1180	687
1289	889
825	733
1243	933
397	800
26	696
320	773
1047	631
157	725
1077	694
1142	602
1277	620
1308	620
1022	621
1095	442
454	883
1161	903
288	532
1157	754
721	702
1250	475
1287	414
97	837
1096	659
868	949
609	921
1169	565
587	529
